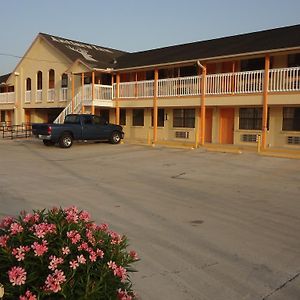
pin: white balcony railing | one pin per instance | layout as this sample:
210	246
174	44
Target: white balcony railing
184	86
63	94
7	98
39	96
51	95
27	96
103	92
284	80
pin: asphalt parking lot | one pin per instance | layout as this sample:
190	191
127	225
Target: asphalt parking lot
206	225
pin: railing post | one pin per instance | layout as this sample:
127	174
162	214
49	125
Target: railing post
82	93
265	102
155	110
73	92
93	93
117	99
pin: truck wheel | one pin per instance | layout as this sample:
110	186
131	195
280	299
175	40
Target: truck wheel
66	140
48	143
115	137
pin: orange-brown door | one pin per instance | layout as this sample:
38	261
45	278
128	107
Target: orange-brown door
226	125
208	125
27	117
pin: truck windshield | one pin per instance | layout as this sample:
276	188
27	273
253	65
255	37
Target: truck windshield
72	119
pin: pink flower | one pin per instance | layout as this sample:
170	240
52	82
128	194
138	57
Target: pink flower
84	216
65	250
28	218
81	259
83	246
17	276
90	237
103	227
74	264
40	230
112	265
19	253
3	240
100	253
39	249
6	222
72	214
55	261
28	296
121	273
123	295
74	236
16	228
53	282
92	256
133	255
116	238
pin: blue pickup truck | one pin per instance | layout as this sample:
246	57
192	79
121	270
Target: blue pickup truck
78	127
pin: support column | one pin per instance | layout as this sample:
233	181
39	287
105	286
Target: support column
82	93
117	99
155	109
93	93
73	93
265	103
202	111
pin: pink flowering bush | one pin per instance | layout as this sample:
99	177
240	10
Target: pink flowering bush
62	254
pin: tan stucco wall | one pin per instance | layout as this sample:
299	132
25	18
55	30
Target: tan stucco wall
40	57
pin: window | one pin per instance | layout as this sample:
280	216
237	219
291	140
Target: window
253	64
64	80
28	84
123	116
138	117
51	79
184	118
160	117
99	121
39	80
291	119
72	119
188	71
250	118
294	60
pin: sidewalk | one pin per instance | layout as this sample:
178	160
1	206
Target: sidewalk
236	149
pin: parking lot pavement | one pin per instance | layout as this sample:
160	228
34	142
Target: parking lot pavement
206	225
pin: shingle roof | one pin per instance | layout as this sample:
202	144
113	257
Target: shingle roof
3	78
103	58
279	38
92	55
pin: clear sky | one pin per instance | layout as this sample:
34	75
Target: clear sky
133	25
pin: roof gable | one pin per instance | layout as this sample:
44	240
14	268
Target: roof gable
92	55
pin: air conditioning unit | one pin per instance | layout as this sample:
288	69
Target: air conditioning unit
249	138
182	134
293	140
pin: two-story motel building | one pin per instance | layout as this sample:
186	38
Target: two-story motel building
221	91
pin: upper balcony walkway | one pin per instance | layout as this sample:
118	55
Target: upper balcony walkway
249	82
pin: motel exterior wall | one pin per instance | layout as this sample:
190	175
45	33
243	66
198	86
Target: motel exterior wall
43	57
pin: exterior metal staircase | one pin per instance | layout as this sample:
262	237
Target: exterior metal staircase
68	109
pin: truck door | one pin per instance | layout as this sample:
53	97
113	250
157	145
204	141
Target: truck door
94	128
